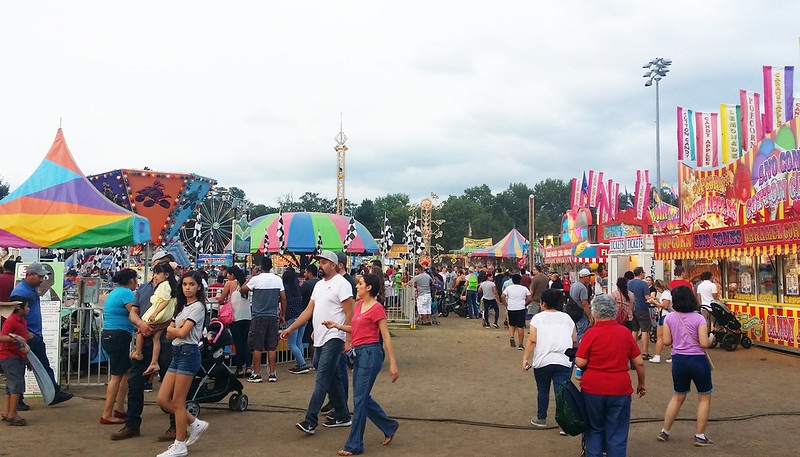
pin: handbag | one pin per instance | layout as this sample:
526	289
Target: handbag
710	362
574	310
225	314
570	408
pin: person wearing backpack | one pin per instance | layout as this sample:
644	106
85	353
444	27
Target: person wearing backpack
579	295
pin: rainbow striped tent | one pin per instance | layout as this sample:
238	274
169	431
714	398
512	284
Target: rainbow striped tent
303	229
57	207
513	246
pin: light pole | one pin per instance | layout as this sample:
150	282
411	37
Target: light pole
657	69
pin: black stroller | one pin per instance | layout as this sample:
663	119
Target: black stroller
214	381
727	329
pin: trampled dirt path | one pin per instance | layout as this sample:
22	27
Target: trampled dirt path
461	391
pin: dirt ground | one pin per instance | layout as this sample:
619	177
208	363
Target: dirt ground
461	391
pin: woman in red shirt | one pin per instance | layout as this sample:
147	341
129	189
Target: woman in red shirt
604	354
367	327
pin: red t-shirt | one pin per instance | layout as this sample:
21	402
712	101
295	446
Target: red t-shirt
365	328
608	347
6	285
17	325
680	282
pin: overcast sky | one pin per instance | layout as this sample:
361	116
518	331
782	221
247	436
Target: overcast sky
436	96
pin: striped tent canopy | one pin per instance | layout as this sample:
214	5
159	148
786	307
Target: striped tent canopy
57	207
513	246
301	230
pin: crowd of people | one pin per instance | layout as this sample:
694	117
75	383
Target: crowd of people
342	317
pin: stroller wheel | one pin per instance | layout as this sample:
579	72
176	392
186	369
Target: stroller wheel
747	343
653	335
730	342
193	408
445	312
242	403
233	402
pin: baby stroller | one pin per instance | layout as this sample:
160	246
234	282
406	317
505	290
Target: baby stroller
214	381
450	302
727	329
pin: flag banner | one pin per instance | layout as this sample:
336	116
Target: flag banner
602	203
752	127
686	149
613	199
667	189
628	202
584	191
642	196
596	181
575	194
707	139
729	124
778	96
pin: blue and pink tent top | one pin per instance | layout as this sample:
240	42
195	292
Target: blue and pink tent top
57	207
302	231
513	246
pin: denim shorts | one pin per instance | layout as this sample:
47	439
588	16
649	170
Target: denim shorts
14	370
688	368
185	359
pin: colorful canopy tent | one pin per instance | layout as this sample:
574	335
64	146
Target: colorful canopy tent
513	246
57	207
167	200
302	230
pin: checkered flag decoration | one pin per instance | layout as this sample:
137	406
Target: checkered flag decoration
198	234
281	235
387	237
118	254
266	241
80	257
351	233
319	243
419	242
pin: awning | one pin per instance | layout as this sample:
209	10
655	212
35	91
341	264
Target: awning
558	254
577	253
763	238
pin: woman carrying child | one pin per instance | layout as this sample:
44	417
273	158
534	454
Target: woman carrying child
162	309
185	332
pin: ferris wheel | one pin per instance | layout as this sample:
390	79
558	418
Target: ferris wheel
216	225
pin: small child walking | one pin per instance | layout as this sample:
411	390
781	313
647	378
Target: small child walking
13	353
162	308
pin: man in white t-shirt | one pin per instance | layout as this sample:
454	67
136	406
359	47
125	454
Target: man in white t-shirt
268	313
332	300
516	297
706	293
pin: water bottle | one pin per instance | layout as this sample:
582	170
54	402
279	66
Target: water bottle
578	374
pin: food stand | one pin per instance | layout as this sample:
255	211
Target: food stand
741	221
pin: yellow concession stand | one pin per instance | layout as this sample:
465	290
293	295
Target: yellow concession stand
757	266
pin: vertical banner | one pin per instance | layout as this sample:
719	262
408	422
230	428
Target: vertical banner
584	191
795	107
778	96
575	194
642	197
686	149
614	199
602	203
595	180
752	128
730	128
707	139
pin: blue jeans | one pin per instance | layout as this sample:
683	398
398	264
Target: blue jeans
554	373
328	381
296	342
369	358
581	326
472	303
609	418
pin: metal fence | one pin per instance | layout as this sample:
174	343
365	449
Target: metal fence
401	308
83	362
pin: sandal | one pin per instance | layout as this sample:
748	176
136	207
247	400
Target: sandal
387	440
16	420
344	452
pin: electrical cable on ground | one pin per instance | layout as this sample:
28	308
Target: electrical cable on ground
637	420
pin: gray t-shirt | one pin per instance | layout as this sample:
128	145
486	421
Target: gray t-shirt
487	287
423	282
578	293
196	312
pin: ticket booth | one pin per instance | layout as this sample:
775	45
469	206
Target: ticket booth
628	252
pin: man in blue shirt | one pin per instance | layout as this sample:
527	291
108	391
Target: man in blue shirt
34	276
641	312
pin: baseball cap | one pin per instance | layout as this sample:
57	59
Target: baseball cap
158	255
37	269
584	273
341	257
327	255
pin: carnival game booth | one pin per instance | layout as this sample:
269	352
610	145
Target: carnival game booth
57	207
628	252
741	221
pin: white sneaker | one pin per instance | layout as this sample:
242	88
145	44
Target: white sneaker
655	359
176	449
669	360
195	430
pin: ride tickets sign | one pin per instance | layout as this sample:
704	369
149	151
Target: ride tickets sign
754	236
762	185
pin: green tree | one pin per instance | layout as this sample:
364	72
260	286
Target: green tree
4	188
368	216
551	201
395	207
311	201
261	210
514	201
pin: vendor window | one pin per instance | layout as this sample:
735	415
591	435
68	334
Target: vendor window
768	278
741	278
